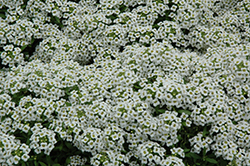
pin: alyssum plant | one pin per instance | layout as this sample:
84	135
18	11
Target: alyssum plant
123	82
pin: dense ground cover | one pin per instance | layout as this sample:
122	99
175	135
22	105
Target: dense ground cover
125	82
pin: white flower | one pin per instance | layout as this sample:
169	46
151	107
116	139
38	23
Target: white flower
25	157
16	159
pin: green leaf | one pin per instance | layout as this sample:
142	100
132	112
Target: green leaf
195	156
204	151
179	137
138	87
3	10
57	19
2	15
68	160
67	104
211	160
204	131
186	150
56	165
23	164
48	159
69	145
32	41
188	155
42	164
23	47
27	142
36	163
183	124
60	147
161	110
23	6
68	92
184	111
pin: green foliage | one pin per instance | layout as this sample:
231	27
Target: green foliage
63	150
56	20
2	12
59	156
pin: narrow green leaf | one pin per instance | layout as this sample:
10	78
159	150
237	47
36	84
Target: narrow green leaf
57	19
211	160
68	160
3	10
2	15
56	165
36	163
184	111
188	155
23	47
69	145
27	142
61	146
67	104
161	110
138	87
186	150
195	156
204	131
48	159
23	6
42	164
204	151
32	41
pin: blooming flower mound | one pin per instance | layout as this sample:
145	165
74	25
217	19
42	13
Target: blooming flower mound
121	79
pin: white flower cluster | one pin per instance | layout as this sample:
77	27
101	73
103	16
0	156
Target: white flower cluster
77	160
12	150
42	139
110	76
